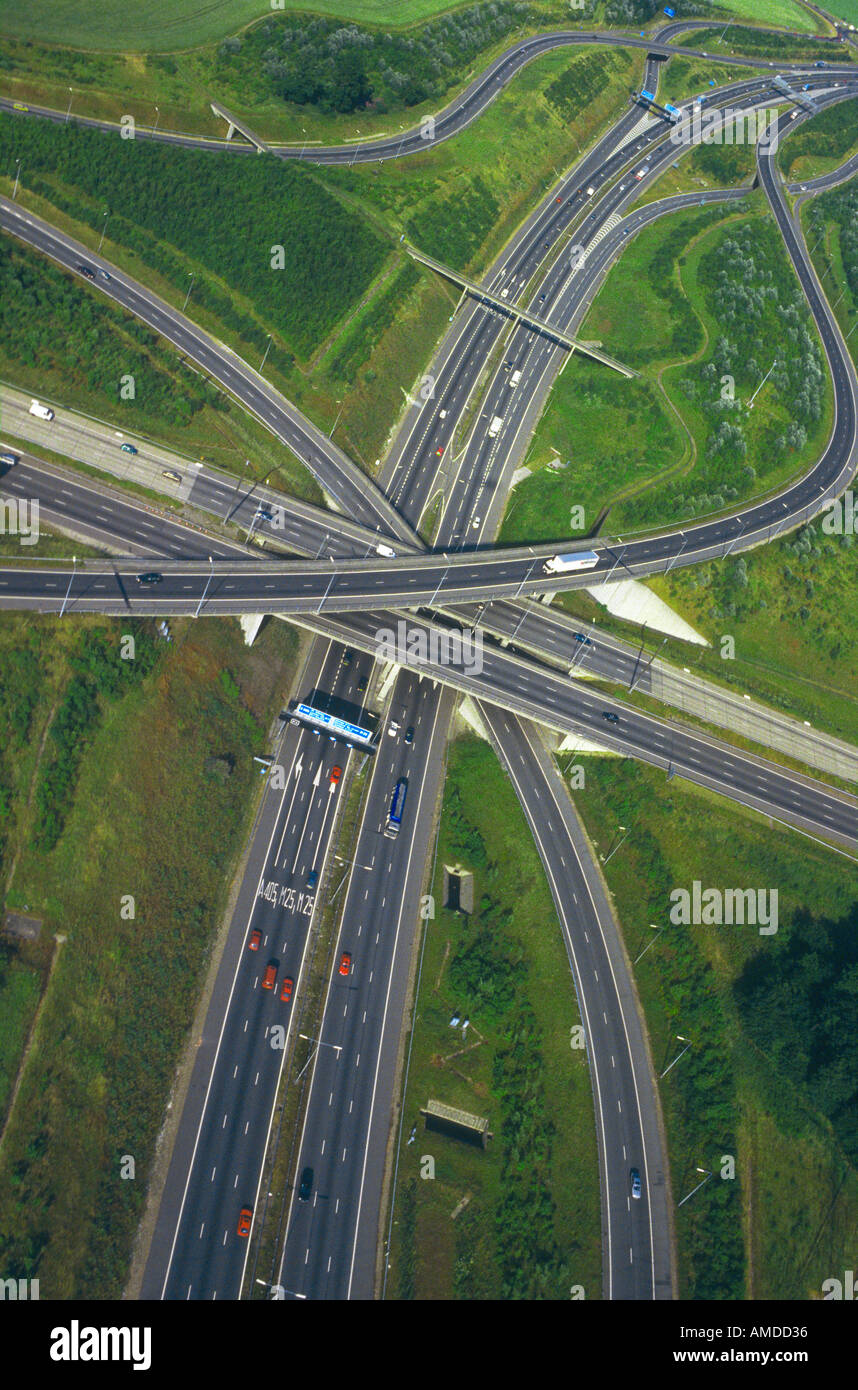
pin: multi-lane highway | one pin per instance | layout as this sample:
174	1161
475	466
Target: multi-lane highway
331	1241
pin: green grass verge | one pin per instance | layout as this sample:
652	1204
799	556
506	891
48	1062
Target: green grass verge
786	14
759	1234
155	826
462	200
821	144
526	1221
100	348
672	445
23	970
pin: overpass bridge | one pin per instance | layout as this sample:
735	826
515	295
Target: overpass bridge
519	315
235	123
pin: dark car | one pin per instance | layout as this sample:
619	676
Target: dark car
128	448
150	577
582	637
361	685
105	275
306	1186
610	716
635	1179
347	656
312	878
409	734
86	271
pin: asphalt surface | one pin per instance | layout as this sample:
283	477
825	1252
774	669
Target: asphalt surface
318	1222
490	572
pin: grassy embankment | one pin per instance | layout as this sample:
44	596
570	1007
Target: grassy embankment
820	144
342	289
292	76
671	445
121	780
520	1219
760	1080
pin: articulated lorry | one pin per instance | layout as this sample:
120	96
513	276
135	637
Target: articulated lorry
574	560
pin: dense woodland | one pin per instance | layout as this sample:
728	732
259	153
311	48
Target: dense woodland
336	67
800	1005
48	320
223	212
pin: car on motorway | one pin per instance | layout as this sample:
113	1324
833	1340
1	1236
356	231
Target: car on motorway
393	728
409	734
541	298
306	1185
345	963
439	451
286	991
264	514
635	1180
171	474
8	458
558	200
610	716
312	878
347	656
245	1217
19	106
336	774
150	577
128	448
106	275
255	940
582	637
361	685
86	271
269	979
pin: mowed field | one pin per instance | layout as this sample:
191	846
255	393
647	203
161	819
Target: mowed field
169	25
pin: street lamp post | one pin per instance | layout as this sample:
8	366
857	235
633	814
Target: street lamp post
192	274
698	1187
71	581
17	176
679	1038
103	230
620	842
157	118
658	930
206	589
68	112
267	350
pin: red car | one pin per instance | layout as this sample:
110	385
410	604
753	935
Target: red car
336	774
255	940
244	1220
286	991
345	963
440	451
269	979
